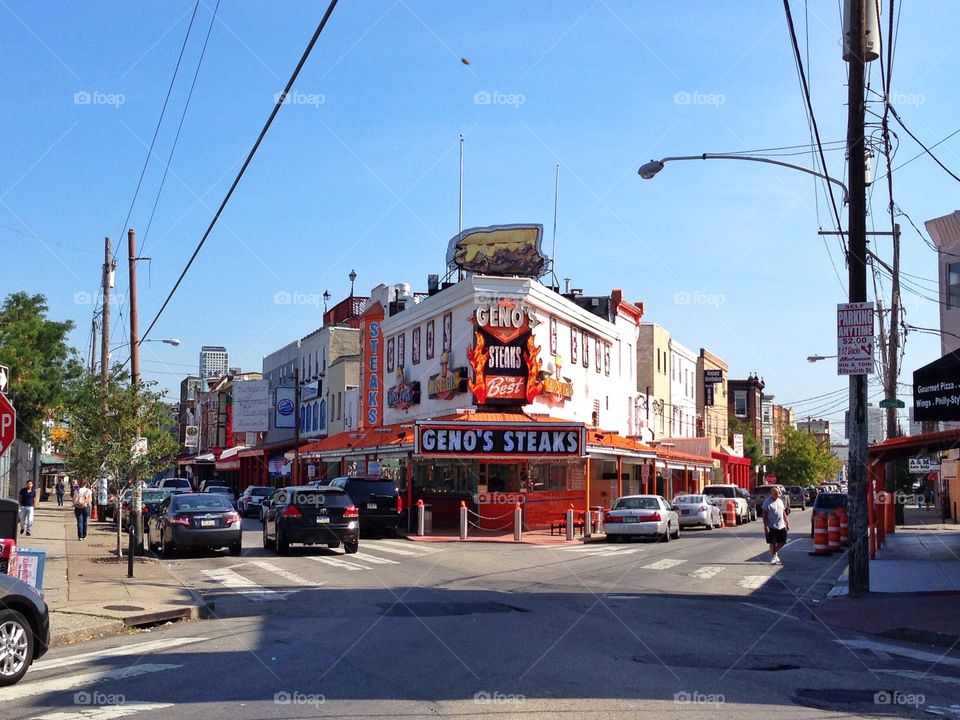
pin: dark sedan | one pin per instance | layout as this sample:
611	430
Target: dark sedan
198	520
377	500
24	628
824	504
312	516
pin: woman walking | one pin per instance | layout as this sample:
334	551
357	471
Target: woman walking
82	500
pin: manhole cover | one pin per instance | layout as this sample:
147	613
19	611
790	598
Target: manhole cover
122	608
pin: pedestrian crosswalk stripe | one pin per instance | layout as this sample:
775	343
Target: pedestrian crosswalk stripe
374	559
619	551
396	550
286	575
144	648
420	548
752	582
244	586
30	688
664	564
108	712
337	562
706	572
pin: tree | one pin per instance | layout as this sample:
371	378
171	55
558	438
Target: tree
40	361
104	440
751	446
801	460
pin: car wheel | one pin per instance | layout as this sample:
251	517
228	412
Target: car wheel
166	549
676	533
236	548
611	538
16	641
267	542
666	536
351	546
283	545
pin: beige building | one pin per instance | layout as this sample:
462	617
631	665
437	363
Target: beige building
712	398
653	379
945	232
343	381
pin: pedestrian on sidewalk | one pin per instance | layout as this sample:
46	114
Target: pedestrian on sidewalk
82	500
775	524
60	489
28	502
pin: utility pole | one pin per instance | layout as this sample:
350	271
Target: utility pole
136	499
295	473
858	554
93	344
893	351
108	267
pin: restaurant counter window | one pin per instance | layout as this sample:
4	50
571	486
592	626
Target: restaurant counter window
440	478
548	477
395	469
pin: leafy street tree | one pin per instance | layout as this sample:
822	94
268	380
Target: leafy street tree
40	361
801	460
104	439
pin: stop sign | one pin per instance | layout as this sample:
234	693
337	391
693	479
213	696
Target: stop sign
8	424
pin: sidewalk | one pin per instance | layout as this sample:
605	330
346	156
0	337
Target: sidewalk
914	585
87	587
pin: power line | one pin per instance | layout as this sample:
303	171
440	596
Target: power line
246	163
927	150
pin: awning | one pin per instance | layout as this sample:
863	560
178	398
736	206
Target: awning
52	459
395	439
730	458
228	459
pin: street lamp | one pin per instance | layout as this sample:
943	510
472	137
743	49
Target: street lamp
817	358
326	299
169	341
352	276
648	170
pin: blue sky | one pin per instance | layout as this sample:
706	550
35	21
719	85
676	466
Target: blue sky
360	170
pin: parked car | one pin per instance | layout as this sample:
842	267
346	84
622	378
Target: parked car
696	510
824	504
313	516
731	492
762	492
182	483
120	512
150	501
377	499
24	628
199	520
218	489
635	515
808	495
797	498
751	508
250	500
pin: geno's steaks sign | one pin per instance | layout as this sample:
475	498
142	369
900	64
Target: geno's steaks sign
560	440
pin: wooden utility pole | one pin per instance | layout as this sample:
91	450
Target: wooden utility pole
108	266
93	344
858	554
136	499
295	472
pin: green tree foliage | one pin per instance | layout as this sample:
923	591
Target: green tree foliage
751	446
105	439
40	361
801	460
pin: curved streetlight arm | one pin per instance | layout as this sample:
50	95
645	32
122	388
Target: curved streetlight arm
651	168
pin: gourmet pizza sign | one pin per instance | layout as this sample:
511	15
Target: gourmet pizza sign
504	358
561	440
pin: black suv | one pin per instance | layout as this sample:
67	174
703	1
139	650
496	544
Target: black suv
377	499
312	516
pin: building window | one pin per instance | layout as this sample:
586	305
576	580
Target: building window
740	403
658	359
768	446
953	285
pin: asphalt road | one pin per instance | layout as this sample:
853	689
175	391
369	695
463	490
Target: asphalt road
692	628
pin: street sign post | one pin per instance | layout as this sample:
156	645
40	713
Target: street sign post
892	403
8	424
4	379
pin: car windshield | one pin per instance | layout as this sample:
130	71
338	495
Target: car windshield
637	503
830	501
688	499
719	490
372	486
200	502
222	489
261	491
154	496
762	490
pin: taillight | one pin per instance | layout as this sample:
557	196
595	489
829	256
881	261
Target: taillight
232	518
144	509
655	517
399	504
608	518
702	508
290	511
351	512
178	520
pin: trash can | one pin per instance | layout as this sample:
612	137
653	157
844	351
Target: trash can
8	518
597	512
428	519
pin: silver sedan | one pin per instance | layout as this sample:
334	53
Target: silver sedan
697	510
646	515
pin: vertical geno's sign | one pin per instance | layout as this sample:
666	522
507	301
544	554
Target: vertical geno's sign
371	382
855	338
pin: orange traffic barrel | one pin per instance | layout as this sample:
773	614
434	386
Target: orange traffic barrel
820	535
833	532
844	529
730	513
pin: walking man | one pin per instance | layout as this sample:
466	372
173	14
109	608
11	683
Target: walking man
28	501
775	524
82	500
60	489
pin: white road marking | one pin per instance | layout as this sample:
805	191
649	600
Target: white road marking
143	648
934	658
406	545
706	572
920	676
69	682
771	610
619	551
244	586
396	550
752	582
108	712
286	575
337	562
374	559
664	564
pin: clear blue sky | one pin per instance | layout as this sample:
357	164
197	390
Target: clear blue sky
361	170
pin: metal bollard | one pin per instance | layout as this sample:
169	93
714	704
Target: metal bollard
463	520
517	523
421	530
570	524
587	523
